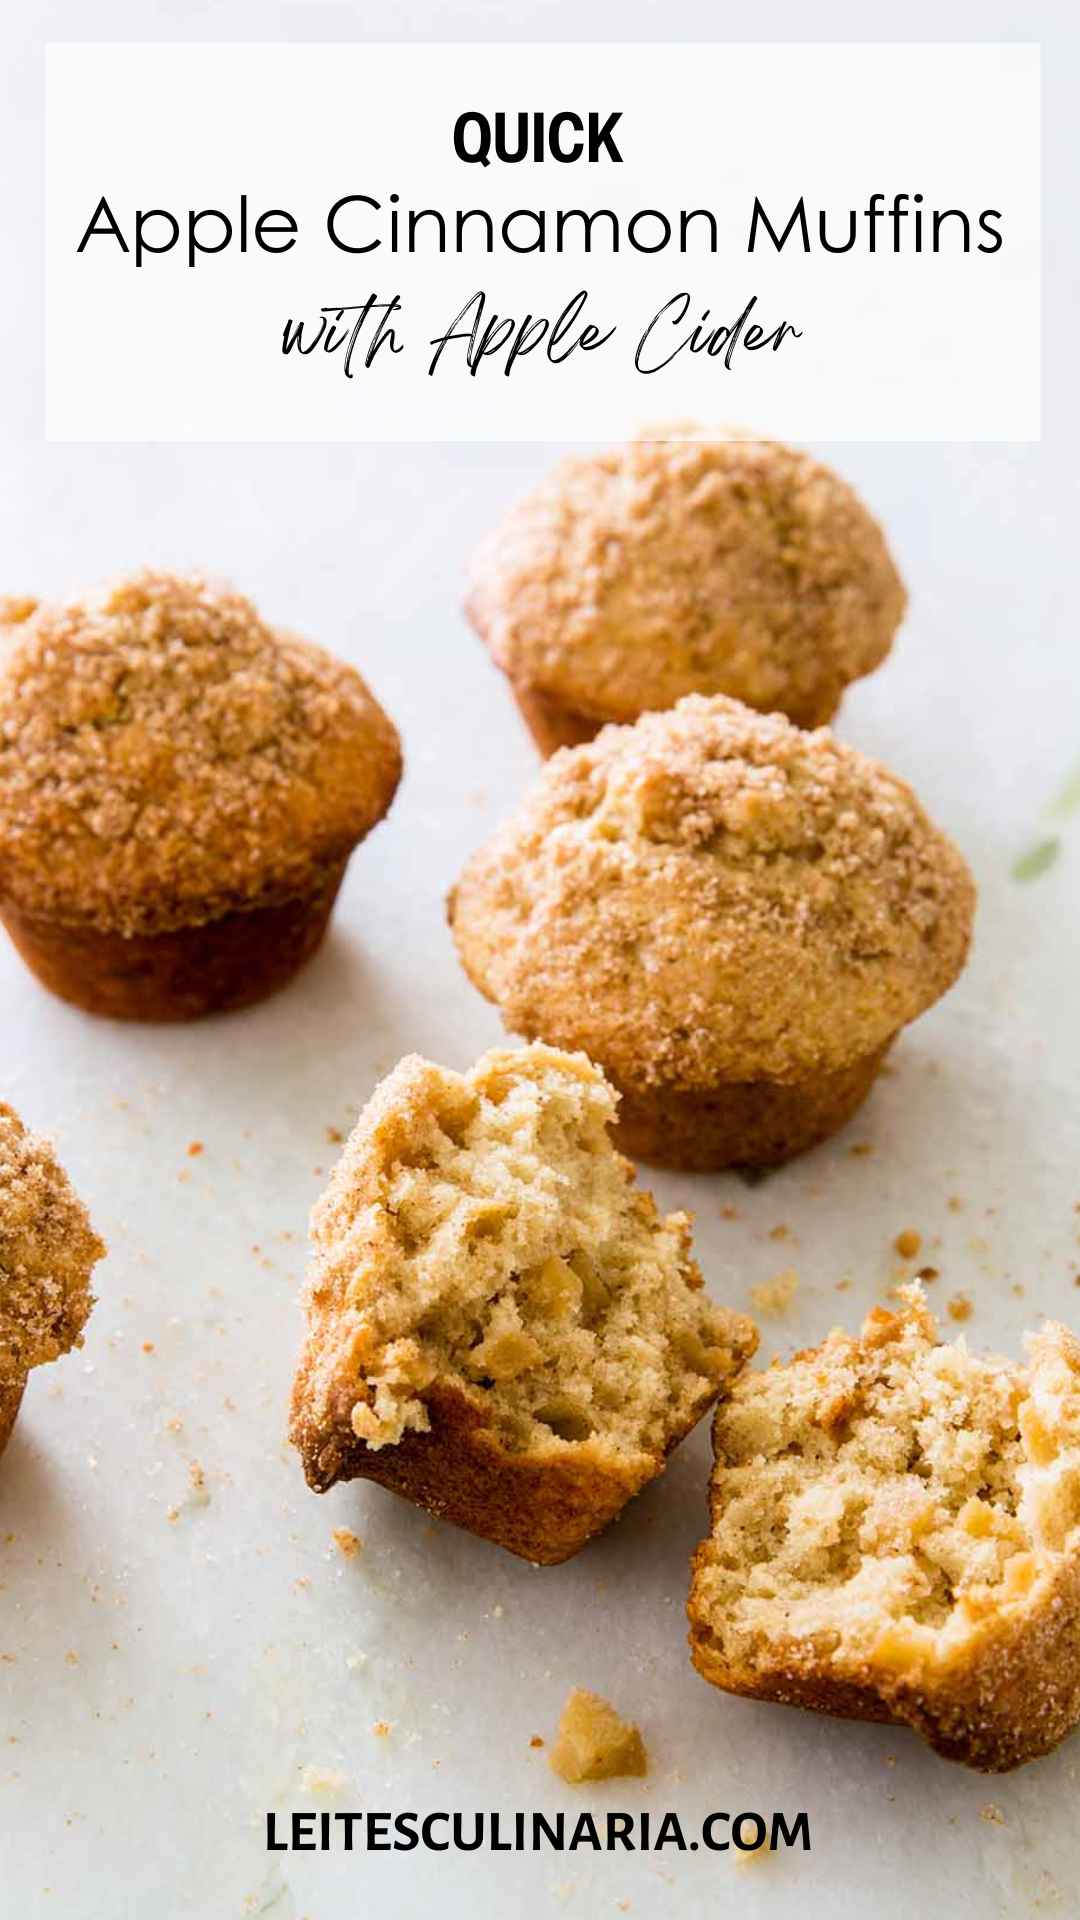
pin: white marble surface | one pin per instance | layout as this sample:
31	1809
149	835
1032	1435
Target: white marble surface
165	1682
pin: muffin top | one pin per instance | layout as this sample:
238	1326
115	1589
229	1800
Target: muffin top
661	568
166	757
712	894
48	1250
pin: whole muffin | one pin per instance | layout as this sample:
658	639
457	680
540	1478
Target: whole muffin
48	1251
180	790
733	918
666	567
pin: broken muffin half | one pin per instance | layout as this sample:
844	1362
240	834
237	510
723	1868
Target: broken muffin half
501	1326
896	1536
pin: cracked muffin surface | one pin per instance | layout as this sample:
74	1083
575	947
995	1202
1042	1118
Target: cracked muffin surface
714	895
167	758
700	564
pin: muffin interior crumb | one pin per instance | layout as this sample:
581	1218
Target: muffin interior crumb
481	1232
47	1253
594	1743
879	1496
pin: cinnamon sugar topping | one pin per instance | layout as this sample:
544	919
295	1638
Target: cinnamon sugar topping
166	757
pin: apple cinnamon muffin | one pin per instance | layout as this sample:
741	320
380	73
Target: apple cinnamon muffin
732	917
48	1251
696	564
896	1536
501	1326
181	788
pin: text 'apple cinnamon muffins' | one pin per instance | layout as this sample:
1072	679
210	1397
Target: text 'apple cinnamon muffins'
732	917
48	1251
181	788
896	1536
501	1326
664	567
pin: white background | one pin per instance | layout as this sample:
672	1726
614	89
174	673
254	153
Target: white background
134	1780
906	345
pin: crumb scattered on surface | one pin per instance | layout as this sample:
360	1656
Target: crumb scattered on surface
594	1743
347	1542
908	1243
993	1815
928	1275
326	1783
753	1856
773	1297
195	1147
381	1729
537	1740
959	1306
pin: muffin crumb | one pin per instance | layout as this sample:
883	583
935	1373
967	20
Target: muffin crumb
774	1297
594	1743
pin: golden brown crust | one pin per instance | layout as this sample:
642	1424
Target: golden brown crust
994	1680
214	967
48	1250
544	1510
662	568
166	759
712	895
1016	1698
753	1123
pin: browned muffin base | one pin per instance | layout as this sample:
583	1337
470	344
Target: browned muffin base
227	963
1011	1704
10	1402
554	725
542	1510
749	1123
